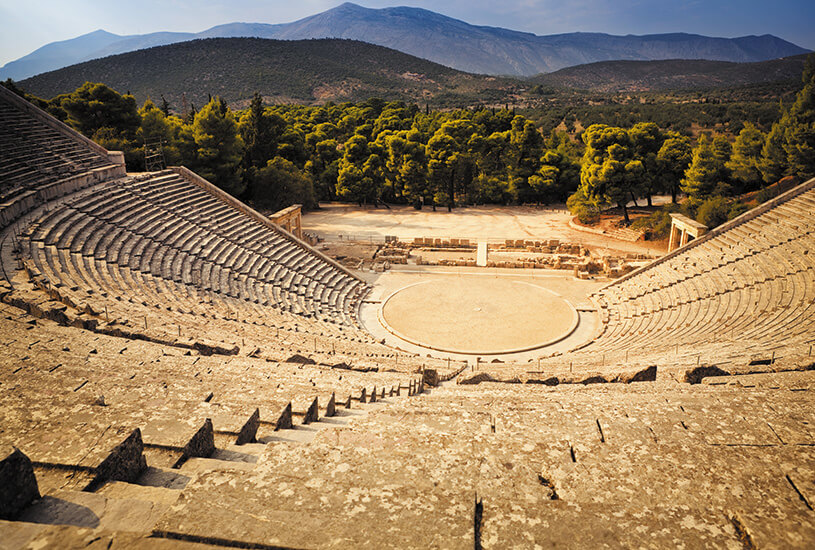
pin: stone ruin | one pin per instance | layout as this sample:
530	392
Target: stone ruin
179	372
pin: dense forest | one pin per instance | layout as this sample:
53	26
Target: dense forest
378	151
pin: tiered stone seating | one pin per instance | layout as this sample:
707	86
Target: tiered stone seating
42	159
176	373
747	289
211	247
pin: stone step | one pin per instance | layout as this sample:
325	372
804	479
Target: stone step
95	511
131	491
200	465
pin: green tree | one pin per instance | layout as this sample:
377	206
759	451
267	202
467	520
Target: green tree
219	147
704	175
260	132
673	160
744	162
773	162
280	184
360	170
323	168
646	142
609	173
790	145
799	133
525	153
443	154
94	106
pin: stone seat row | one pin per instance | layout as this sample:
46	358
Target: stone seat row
83	232
169	396
792	220
163	312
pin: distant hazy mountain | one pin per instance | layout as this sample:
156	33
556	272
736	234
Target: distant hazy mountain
429	35
283	71
674	74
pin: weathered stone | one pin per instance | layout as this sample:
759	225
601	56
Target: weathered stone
301	359
249	430
125	462
18	484
313	412
430	377
331	408
202	443
694	376
646	375
477	379
284	421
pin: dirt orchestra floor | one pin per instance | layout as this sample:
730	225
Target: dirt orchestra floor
463	313
478	315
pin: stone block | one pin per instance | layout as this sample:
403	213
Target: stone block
249	429
202	444
313	412
284	420
125	462
18	484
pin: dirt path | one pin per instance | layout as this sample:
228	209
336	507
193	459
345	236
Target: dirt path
335	221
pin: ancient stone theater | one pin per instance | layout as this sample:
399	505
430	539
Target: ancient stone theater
178	371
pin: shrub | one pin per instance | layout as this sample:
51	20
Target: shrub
585	211
713	212
658	224
736	210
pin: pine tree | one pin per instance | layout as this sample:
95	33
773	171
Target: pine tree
220	148
744	161
705	172
790	145
673	159
773	161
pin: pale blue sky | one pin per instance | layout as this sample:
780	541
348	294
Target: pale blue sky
25	25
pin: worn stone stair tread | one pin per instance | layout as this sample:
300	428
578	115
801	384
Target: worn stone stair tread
198	465
131	491
92	510
21	534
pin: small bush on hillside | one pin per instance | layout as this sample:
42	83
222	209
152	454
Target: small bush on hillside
713	212
658	224
736	210
585	211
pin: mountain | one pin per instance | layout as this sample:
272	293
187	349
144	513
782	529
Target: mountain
283	71
58	54
673	74
432	36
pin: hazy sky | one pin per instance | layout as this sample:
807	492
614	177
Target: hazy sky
25	25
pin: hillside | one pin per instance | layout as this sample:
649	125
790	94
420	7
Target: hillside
432	36
307	71
673	74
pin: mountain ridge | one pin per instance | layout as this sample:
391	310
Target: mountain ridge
670	74
432	36
283	71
